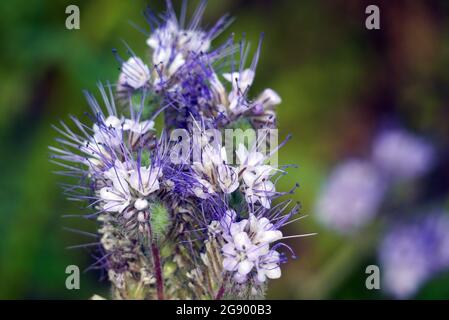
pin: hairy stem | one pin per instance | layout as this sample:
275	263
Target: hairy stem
157	266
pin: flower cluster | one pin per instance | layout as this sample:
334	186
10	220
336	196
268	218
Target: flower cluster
412	252
358	188
177	210
247	247
351	197
415	245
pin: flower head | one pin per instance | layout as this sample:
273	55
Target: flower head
412	252
402	155
135	74
167	225
247	249
351	197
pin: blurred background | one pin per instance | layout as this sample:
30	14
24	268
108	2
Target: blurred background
341	86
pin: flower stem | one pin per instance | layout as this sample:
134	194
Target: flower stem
158	271
220	293
157	265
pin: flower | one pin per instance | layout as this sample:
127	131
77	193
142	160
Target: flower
116	197
107	132
214	168
262	109
202	216
145	180
135	74
173	43
402	155
255	174
259	190
268	266
138	127
247	248
414	251
351	197
241	82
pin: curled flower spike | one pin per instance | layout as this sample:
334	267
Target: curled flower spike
177	217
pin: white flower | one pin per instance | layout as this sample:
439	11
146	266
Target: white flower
138	127
145	180
248	159
227	178
164	36
260	191
171	36
116	198
113	122
214	168
263	230
219	93
109	137
267	100
192	40
247	247
268	266
257	186
241	82
203	189
135	73
240	255
171	45
110	134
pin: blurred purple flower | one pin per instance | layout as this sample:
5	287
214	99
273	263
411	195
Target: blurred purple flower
413	252
401	154
351	197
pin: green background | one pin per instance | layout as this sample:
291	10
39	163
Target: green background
337	79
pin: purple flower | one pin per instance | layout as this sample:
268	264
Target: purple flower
402	155
160	204
247	249
412	252
172	41
351	197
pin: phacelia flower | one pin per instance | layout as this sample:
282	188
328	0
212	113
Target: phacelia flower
256	176
247	249
351	197
412	252
215	169
402	155
172	42
135	74
166	225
